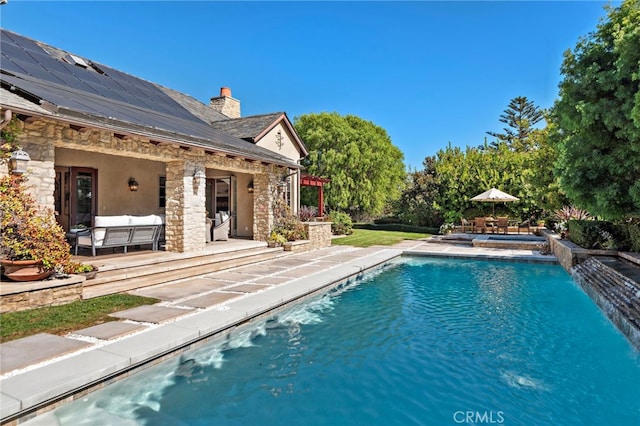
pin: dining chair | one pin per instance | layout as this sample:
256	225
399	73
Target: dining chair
502	223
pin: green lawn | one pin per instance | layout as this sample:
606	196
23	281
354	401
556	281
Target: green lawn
66	318
368	238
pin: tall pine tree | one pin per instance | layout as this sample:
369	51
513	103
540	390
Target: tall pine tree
520	117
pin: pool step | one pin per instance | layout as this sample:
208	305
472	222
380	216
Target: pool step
614	284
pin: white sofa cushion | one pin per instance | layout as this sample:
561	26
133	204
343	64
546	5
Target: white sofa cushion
122	220
152	219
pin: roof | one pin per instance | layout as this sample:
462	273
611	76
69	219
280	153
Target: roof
81	91
254	127
247	128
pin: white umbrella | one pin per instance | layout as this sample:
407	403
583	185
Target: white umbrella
494	196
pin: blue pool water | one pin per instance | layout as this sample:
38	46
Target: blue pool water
426	342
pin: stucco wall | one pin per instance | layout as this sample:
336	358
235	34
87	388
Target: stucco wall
113	173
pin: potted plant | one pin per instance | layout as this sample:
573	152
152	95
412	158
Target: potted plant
276	239
85	269
29	235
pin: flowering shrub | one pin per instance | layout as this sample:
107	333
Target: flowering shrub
9	135
286	223
446	228
27	233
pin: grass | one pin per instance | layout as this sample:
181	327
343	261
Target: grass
368	238
65	318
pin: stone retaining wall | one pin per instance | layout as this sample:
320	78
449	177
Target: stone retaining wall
570	254
22	296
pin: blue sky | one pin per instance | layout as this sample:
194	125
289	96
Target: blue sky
430	73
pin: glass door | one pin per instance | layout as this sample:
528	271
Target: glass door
220	197
83	196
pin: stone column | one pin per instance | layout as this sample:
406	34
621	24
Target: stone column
262	211
38	141
185	208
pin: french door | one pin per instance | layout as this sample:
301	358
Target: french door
221	197
75	196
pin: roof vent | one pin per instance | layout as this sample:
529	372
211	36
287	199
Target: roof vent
76	60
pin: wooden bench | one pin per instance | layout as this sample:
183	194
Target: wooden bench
120	231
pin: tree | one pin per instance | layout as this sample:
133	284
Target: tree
598	117
520	117
365	168
417	204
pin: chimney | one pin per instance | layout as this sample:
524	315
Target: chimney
225	104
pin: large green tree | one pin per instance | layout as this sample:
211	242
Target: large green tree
598	117
520	117
417	204
365	168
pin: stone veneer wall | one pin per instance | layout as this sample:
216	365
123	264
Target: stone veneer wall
319	234
22	296
185	204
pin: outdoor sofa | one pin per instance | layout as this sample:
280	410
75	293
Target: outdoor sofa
121	231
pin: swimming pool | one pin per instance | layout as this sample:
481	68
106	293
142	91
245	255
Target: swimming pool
428	341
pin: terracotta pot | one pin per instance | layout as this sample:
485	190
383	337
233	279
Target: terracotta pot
24	270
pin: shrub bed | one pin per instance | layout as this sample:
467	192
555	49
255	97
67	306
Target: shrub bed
597	234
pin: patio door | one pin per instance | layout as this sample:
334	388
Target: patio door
83	195
221	197
75	196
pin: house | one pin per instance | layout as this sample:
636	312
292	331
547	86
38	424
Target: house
103	142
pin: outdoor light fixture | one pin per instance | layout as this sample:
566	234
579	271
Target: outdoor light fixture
198	175
18	162
250	187
133	184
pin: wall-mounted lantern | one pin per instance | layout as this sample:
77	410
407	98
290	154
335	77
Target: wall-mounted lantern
198	176
18	162
250	187
133	184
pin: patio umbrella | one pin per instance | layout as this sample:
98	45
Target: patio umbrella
494	196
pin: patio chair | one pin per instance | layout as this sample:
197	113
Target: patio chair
480	225
502	223
466	226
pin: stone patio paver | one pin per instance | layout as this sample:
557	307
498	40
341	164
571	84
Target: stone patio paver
209	300
181	289
260	270
151	313
110	330
232	276
35	349
302	271
271	279
248	288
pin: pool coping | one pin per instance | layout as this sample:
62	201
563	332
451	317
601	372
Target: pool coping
37	391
